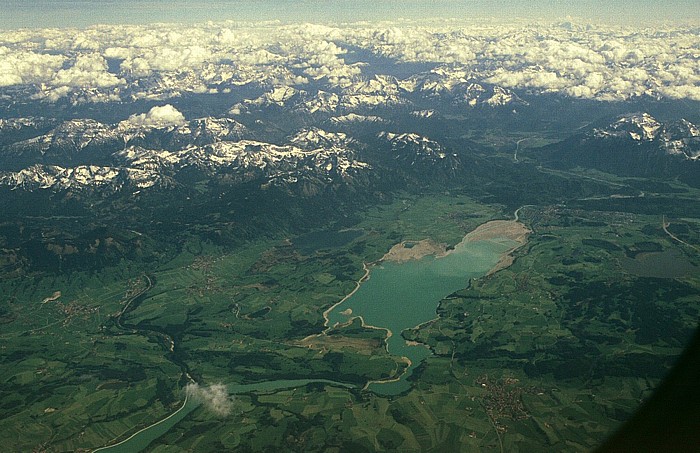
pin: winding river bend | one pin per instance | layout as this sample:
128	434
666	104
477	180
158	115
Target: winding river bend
402	295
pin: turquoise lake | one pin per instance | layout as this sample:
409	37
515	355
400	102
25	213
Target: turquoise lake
398	296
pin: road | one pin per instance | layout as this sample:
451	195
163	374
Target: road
542	169
516	214
517	148
665	226
130	438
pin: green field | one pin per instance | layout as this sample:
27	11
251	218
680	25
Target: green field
552	353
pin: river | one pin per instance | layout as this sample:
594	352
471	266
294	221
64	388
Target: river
397	296
143	438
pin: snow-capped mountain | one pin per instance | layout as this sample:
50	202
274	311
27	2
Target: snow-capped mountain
313	138
354	118
13	130
288	98
359	95
415	144
80	154
635	144
91	142
321	102
428	113
81	178
158	161
379	91
8	125
458	87
252	159
138	168
680	138
414	151
80	140
199	132
636	126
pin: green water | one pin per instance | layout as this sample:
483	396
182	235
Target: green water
669	263
311	242
139	441
399	296
281	384
142	439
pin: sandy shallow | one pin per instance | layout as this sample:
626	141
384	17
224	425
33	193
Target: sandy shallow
501	229
400	253
495	229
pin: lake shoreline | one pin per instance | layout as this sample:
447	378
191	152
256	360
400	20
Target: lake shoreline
414	250
500	233
326	312
152	425
512	230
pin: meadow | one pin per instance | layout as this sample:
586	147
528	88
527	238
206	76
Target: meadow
553	352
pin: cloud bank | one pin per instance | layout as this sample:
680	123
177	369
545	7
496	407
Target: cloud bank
120	62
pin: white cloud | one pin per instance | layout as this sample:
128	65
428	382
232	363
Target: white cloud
215	397
588	62
159	116
20	68
87	71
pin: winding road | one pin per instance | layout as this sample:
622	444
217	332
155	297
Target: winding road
517	148
516	214
665	226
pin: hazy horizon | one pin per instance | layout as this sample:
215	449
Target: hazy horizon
83	13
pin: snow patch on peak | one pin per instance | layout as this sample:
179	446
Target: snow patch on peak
20	123
210	130
418	144
75	134
355	118
501	96
680	138
424	113
281	94
36	176
80	178
637	126
402	137
318	138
